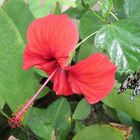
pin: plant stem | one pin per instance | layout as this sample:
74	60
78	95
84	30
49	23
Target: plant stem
86	39
109	12
98	16
114	15
78	45
30	102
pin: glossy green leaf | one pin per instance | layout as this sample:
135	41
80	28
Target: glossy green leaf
121	40
99	132
89	23
132	8
82	110
2	102
56	119
124	103
107	7
16	85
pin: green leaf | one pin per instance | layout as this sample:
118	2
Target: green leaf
18	13
121	40
111	112
90	2
2	102
57	9
40	72
135	130
82	110
124	118
79	10
123	102
89	23
16	85
41	8
36	120
55	119
107	7
132	8
99	132
79	126
128	121
69	3
87	49
119	10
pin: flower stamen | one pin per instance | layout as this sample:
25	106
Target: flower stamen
18	116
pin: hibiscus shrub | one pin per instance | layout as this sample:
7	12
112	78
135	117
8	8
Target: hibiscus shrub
62	65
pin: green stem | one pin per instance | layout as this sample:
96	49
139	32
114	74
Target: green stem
114	15
98	16
86	39
111	13
78	45
4	114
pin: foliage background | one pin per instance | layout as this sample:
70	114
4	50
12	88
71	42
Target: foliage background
114	27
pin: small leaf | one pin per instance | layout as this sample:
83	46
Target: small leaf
107	7
56	119
36	121
57	9
99	132
82	110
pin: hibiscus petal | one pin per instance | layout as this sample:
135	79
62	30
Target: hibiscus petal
31	59
94	77
61	85
53	36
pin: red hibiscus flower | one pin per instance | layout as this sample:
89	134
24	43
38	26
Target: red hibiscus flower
51	40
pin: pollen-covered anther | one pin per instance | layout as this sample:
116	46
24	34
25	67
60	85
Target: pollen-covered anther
15	121
18	117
